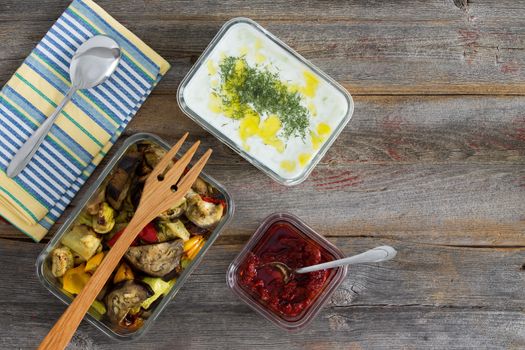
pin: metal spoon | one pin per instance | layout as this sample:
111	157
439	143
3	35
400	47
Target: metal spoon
378	254
94	62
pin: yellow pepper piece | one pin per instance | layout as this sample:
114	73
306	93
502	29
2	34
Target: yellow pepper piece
75	279
192	243
123	273
192	253
94	262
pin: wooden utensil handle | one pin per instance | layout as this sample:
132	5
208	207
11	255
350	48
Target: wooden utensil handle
65	327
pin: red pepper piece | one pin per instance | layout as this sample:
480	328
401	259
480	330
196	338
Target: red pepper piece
214	200
148	235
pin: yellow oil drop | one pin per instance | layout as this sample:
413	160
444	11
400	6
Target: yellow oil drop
323	129
304	158
212	70
258	44
249	126
215	104
244	50
288	165
259	58
312	108
311	83
317	140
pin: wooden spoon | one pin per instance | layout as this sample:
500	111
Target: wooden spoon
160	192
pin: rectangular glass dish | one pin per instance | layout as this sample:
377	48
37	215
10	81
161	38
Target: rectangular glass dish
270	235
265	101
43	263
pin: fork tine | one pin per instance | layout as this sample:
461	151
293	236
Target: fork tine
189	178
174	174
165	161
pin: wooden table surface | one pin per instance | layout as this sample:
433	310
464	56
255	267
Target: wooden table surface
432	163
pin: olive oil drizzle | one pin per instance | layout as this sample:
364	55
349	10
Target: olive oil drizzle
244	89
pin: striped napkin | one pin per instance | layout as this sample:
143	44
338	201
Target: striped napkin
87	127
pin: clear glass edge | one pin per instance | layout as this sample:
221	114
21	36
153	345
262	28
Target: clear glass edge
212	130
82	202
301	324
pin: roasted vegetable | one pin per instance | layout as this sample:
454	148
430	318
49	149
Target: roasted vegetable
82	240
201	213
99	307
124	273
125	297
157	256
61	261
118	186
156	259
159	287
85	219
104	221
75	279
176	211
193	246
92	206
94	262
200	187
171	230
153	155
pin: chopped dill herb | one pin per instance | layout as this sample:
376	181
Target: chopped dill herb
245	89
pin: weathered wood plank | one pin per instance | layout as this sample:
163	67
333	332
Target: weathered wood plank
384	52
436	296
429	169
454	204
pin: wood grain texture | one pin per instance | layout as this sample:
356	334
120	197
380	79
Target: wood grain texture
407	47
443	169
429	296
432	163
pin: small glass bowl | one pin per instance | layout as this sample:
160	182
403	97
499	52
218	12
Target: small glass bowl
341	103
336	277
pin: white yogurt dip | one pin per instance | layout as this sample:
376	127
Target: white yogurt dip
261	136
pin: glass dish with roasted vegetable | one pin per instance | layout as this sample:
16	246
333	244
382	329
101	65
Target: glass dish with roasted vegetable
158	262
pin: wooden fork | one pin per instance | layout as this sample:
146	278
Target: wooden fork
160	192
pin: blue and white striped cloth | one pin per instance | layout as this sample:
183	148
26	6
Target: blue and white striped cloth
88	125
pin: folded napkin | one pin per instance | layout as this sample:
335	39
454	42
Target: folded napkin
87	127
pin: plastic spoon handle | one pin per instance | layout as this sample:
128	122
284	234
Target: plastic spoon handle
29	148
378	254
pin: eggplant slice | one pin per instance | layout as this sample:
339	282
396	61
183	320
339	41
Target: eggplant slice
158	259
126	296
118	187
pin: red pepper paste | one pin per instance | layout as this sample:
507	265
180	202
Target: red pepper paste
284	243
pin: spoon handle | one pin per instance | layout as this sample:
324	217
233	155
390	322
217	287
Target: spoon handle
29	148
377	254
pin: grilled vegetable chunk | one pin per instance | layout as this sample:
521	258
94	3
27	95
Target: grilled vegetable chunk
156	259
62	260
